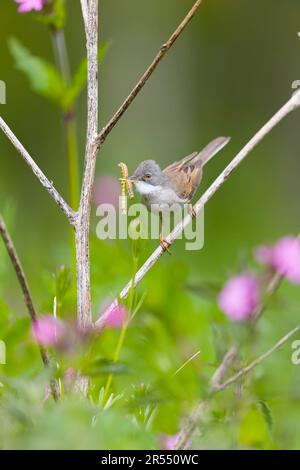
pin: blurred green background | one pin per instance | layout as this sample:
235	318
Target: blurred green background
231	69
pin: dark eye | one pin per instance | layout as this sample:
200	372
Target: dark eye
147	176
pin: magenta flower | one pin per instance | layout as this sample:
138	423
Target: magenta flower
29	5
169	441
284	257
48	330
116	317
239	297
107	191
47	394
264	254
69	375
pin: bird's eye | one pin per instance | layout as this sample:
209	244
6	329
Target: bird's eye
147	176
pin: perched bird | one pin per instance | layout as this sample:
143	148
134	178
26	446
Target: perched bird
177	183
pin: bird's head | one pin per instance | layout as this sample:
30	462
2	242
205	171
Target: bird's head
148	177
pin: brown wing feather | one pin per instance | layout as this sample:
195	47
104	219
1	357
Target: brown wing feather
186	174
180	163
185	177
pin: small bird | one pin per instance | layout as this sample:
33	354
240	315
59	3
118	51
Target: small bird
177	183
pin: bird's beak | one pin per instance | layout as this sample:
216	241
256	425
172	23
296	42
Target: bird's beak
132	179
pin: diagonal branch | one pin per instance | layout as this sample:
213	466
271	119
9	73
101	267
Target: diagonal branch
27	296
146	75
48	185
221	371
292	104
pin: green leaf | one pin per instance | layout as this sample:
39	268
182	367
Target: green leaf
43	77
46	80
103	366
79	80
63	281
266	412
253	429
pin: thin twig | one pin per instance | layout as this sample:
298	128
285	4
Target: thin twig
27	297
83	222
231	354
271	288
221	371
196	354
84	9
245	370
292	104
48	185
191	423
184	436
146	75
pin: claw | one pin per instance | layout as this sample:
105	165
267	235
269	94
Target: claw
164	244
192	211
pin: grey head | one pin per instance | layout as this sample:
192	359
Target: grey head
149	172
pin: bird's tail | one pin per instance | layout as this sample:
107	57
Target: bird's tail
211	150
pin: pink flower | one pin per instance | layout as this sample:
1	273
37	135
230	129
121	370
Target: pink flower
47	393
107	191
239	297
169	441
29	5
264	254
286	258
69	375
48	331
115	317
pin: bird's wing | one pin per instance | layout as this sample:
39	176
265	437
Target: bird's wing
186	173
180	163
185	176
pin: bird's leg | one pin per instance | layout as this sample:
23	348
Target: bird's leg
163	243
192	211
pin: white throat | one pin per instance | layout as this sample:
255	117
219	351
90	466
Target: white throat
145	188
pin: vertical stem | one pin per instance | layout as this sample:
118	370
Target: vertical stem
62	60
61	54
83	220
73	173
115	359
123	331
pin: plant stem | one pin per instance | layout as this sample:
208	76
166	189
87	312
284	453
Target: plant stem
73	173
70	132
115	359
123	331
45	182
84	311
11	250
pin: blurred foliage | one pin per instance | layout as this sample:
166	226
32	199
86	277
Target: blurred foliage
232	68
46	80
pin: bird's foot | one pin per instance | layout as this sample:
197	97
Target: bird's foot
192	212
164	244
